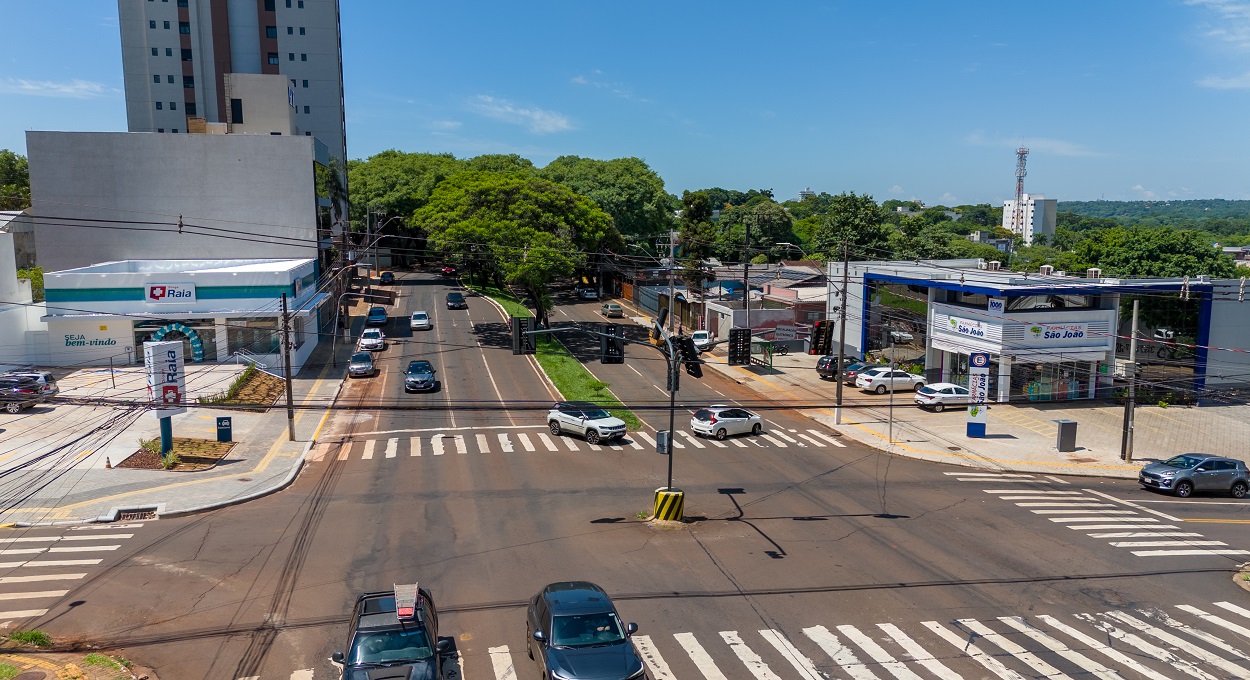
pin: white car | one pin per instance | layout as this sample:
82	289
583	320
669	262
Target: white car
420	321
586	419
372	340
722	421
901	337
940	395
879	380
702	340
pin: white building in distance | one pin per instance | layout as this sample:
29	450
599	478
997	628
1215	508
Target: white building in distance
1038	219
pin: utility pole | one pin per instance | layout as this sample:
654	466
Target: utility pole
746	271
837	411
672	308
286	359
1126	444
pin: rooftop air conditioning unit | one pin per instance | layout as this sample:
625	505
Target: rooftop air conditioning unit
1061	273
1045	270
993	265
1093	273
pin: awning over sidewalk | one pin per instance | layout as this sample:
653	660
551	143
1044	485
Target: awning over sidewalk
307	309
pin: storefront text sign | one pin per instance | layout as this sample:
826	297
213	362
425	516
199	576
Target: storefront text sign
996	306
161	293
968	327
1049	333
166	378
978	392
80	340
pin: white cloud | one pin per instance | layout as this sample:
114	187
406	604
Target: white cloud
949	199
1056	147
1143	193
445	124
1234	21
73	89
617	88
1241	82
537	120
896	190
579	80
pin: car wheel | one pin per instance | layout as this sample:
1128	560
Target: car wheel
555	428
592	436
1184	489
721	434
939	407
1238	490
756	429
13	407
917	386
880	389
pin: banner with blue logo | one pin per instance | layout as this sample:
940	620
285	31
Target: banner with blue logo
978	392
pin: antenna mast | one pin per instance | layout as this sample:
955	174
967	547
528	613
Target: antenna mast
1017	220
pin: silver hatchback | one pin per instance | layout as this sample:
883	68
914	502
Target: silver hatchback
1190	472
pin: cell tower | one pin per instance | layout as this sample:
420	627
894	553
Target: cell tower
1017	219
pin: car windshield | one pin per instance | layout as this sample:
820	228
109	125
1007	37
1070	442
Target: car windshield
586	630
390	646
455	296
362	358
595	413
419	316
856	366
419	367
1183	462
372	333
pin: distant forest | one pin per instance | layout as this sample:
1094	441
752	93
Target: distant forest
1217	216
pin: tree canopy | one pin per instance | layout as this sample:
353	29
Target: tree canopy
14	181
625	188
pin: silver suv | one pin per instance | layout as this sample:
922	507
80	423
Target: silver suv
1190	472
586	419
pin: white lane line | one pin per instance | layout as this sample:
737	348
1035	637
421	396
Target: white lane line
1188	553
633	443
1104	513
31	539
370	445
525	442
1102	527
42	577
105	527
695	442
436	445
702	660
98	537
1103	517
23	613
813	440
414	446
501	662
768	438
877	653
1202	634
635	371
392	447
1101	647
919	654
1234	608
51	563
1040	492
1177	643
827	438
841	654
969	648
1067	504
1077	497
83	548
482	445
651	655
1046	670
1162	544
33	595
982	479
505	443
1133	505
750	659
1080	660
551	446
989	475
461	446
802	664
1146	534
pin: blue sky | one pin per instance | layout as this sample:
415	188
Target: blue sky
908	99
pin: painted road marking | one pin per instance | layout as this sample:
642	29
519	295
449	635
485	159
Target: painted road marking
461	448
436	445
392	447
827	438
551	446
33	595
919	654
482	446
968	647
749	658
1099	646
802	664
505	443
414	446
1059	648
370	445
83	548
702	660
841	655
877	653
525	441
649	653
501	662
42	577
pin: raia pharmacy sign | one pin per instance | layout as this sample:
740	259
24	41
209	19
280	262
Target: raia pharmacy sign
161	293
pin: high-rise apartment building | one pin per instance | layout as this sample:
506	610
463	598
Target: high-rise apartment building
1038	218
176	54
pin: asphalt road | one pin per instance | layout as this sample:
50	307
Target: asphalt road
787	537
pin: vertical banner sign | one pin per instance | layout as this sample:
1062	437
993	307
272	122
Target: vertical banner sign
167	382
978	392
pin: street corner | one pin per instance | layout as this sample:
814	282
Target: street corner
41	665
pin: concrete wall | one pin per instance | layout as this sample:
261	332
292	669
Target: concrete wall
257	184
266	107
1230	329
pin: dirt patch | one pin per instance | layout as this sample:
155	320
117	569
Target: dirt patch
259	392
32	663
193	454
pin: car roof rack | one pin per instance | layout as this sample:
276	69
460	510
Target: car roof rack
407	597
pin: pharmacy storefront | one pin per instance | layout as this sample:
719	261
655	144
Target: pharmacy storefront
221	310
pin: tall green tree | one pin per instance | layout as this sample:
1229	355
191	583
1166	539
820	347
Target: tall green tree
625	188
857	220
14	181
500	163
397	183
769	224
1143	252
697	234
516	229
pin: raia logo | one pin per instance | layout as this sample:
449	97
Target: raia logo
170	292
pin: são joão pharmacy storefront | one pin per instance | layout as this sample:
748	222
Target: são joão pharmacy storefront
217	308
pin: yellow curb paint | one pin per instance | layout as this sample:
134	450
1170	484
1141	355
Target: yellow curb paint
33	661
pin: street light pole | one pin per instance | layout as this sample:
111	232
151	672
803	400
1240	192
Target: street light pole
837	411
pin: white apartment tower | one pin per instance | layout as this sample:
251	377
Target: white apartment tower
1038	218
176	55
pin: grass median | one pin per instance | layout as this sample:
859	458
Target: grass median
568	374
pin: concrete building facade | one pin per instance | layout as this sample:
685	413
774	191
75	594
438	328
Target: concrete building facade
176	55
1038	218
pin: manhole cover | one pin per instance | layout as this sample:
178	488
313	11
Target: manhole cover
132	517
31	675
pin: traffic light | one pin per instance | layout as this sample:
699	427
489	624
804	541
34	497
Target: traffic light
522	343
611	344
739	347
690	356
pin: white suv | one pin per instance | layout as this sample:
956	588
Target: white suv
586	419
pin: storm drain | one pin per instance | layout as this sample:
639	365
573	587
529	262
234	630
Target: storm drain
136	515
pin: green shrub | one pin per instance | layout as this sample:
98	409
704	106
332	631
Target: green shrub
150	445
37	638
7	671
170	461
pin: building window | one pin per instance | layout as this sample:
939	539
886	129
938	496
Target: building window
290	30
303	57
273	58
186	55
188	81
170	79
236	111
288	4
190	108
160	106
160	129
152	23
292	82
182	3
308	134
184	28
166	25
169	51
298	327
155	52
156	79
276	134
301	30
301	4
174	130
290	56
305	83
173	106
269	5
307	110
271	31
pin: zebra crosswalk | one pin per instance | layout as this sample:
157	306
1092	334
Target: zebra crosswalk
1185	642
1143	532
486	441
34	559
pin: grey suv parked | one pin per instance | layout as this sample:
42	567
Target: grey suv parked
1190	472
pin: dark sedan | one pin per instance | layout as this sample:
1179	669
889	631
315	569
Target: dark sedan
419	376
456	301
18	393
573	632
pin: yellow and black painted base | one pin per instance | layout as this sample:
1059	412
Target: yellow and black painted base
669	504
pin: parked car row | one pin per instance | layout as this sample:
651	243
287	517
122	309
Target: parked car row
20	390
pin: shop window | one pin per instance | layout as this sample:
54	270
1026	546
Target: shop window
254	336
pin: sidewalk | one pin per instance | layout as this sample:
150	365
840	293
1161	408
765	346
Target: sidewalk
1020	437
264	460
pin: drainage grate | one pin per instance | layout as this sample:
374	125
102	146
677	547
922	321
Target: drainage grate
953	448
136	515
